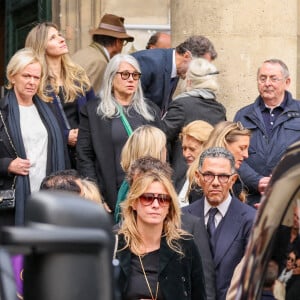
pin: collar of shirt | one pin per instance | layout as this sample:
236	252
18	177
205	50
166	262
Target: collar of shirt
106	53
222	210
174	70
263	107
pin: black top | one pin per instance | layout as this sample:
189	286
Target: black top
120	136
137	285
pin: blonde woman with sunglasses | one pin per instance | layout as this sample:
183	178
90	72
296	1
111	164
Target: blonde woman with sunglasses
158	259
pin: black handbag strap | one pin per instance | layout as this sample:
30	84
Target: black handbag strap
11	143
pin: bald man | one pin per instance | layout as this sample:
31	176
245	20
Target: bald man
159	40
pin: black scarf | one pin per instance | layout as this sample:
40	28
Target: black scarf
55	152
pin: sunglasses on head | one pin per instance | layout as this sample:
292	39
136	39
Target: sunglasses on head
148	198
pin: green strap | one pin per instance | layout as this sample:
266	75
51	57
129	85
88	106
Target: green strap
124	120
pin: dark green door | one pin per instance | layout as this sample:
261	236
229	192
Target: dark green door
20	17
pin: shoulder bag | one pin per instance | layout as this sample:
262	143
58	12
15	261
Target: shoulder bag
7	197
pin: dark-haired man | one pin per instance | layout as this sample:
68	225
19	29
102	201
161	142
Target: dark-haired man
162	68
227	219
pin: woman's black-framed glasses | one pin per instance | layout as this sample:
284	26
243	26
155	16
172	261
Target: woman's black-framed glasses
125	75
148	198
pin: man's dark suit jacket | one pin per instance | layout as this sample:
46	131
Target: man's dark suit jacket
156	68
229	241
195	226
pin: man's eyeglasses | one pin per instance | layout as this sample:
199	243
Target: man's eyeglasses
125	75
148	198
210	177
272	79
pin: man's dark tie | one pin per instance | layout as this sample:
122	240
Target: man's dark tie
211	227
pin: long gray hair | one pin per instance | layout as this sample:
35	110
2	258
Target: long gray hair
108	106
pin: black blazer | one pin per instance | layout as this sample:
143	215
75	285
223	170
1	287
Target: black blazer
95	151
180	278
181	112
195	226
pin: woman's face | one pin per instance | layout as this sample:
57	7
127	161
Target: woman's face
152	213
26	82
239	149
191	148
125	88
290	262
56	45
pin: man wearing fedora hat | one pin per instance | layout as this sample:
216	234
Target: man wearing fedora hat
108	40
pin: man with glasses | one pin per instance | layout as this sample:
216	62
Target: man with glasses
228	221
108	40
274	119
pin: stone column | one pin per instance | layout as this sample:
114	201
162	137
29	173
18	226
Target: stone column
245	33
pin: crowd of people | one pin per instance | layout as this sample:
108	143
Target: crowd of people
143	136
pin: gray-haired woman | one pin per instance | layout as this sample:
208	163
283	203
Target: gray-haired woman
106	124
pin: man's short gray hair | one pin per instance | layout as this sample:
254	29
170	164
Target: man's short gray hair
216	152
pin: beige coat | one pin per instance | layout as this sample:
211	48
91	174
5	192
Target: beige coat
94	60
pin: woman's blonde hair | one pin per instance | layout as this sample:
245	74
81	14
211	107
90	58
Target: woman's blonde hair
90	190
146	140
20	60
201	74
200	131
224	133
75	80
172	223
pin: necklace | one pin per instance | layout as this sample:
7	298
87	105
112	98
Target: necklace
148	285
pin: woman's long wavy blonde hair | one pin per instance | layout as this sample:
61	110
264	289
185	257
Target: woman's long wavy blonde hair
75	80
172	223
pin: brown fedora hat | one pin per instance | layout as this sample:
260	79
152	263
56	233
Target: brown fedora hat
112	25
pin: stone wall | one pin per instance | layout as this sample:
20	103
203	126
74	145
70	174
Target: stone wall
245	33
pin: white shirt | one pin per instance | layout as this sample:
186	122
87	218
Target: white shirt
35	140
222	210
183	201
174	69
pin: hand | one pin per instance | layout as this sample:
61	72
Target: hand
296	271
19	166
106	207
72	138
262	184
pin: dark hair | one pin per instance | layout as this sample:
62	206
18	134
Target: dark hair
147	164
104	40
64	180
198	45
153	39
217	152
271	274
